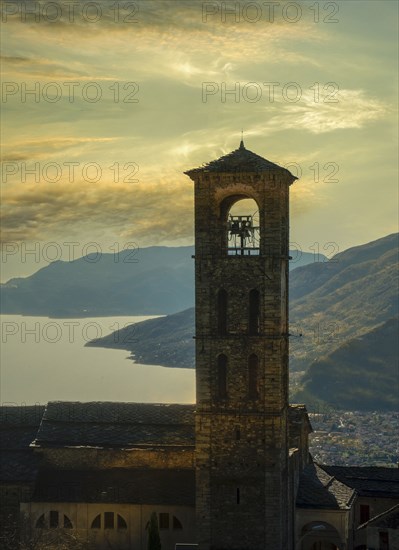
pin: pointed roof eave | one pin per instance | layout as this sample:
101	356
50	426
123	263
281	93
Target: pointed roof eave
240	160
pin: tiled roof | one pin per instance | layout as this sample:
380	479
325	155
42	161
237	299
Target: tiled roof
317	489
107	424
18	428
239	160
117	485
388	519
23	415
368	481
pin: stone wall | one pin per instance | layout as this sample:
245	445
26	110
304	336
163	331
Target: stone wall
98	458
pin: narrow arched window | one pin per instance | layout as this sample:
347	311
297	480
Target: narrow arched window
121	522
177	525
254	312
96	523
67	522
222	376
222	312
253	375
54	520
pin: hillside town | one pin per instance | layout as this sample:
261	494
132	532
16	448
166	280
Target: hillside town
355	438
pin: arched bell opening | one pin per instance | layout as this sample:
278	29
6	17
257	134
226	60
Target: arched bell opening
240	215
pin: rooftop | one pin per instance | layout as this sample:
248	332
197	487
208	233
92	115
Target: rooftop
120	425
368	481
318	489
239	160
18	427
124	425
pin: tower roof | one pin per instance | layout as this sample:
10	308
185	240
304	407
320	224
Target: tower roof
239	160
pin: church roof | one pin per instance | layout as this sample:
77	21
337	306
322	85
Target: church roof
373	481
239	160
120	425
124	425
318	489
18	427
117	485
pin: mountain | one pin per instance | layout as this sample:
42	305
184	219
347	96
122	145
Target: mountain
342	299
337	308
362	374
167	341
147	281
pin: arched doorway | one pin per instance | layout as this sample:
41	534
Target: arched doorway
319	535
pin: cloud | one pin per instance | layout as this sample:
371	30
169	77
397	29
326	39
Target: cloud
169	38
344	109
45	148
143	211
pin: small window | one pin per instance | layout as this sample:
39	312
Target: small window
163	520
238	496
238	434
53	519
121	523
96	523
67	522
364	513
177	524
40	524
254	309
108	520
222	312
253	369
222	376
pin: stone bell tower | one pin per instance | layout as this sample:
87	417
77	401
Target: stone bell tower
241	278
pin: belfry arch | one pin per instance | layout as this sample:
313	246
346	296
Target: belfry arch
240	216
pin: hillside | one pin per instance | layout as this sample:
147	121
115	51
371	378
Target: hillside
362	374
147	281
342	299
167	341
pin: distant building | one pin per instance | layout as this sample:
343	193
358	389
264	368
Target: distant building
382	531
232	472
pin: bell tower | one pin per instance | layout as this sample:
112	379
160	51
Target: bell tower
241	279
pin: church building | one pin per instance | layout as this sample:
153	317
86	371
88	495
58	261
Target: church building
233	471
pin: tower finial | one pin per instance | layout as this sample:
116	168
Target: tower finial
242	140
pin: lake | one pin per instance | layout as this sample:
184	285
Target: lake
45	360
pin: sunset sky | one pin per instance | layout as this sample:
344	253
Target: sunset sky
142	91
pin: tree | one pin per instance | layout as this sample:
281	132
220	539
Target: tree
154	541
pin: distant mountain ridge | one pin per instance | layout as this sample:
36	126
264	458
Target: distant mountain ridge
147	281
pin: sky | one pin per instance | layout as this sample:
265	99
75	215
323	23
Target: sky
105	105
